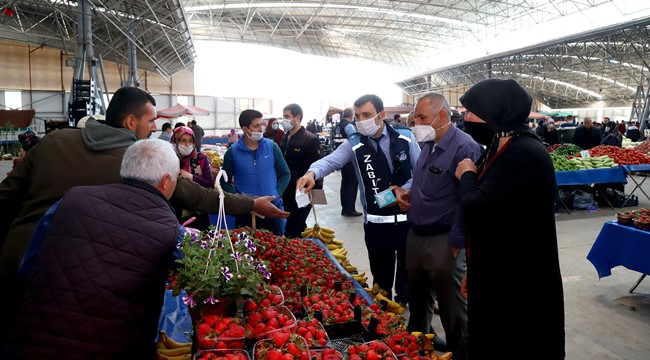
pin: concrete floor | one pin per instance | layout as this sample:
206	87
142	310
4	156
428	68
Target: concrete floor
603	320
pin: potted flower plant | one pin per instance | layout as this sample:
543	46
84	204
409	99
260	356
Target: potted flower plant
218	269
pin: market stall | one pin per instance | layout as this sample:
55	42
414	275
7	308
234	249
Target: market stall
621	245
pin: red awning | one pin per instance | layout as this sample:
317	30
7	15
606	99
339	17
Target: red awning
182	110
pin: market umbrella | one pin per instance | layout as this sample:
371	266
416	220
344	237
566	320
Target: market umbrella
182	110
332	110
536	115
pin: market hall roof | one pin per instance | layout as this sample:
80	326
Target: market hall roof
158	29
407	34
606	65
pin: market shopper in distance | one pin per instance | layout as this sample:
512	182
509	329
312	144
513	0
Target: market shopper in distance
97	264
198	135
435	247
383	157
349	184
586	136
90	156
497	203
273	131
300	149
194	166
255	166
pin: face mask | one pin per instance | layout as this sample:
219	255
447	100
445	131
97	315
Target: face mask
368	127
482	133
255	136
274	126
185	150
287	125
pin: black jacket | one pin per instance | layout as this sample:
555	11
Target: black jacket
96	287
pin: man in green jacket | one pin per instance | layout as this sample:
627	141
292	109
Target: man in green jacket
91	156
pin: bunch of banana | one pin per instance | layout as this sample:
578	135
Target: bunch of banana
323	234
168	349
362	279
427	346
340	254
378	295
348	267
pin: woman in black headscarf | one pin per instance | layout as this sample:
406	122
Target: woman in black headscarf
612	136
508	199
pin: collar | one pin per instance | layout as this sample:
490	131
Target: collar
444	142
148	187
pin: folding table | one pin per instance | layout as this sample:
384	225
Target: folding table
621	245
633	170
591	176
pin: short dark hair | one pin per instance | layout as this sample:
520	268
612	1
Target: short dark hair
295	110
178	124
348	113
193	122
127	101
247	116
396	116
166	126
374	99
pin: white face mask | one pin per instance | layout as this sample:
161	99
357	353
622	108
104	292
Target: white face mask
426	133
274	126
368	127
255	136
287	125
185	150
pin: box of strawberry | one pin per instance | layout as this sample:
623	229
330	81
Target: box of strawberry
281	346
373	350
313	332
216	332
267	296
325	354
262	323
221	355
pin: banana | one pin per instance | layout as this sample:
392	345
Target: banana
169	343
332	247
307	233
351	269
327	230
446	356
337	242
355	276
416	333
392	305
325	235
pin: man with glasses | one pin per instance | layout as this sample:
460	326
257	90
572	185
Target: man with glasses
383	159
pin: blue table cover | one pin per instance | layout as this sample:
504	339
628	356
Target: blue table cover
618	245
214	141
637	168
591	176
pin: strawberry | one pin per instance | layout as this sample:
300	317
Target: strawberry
274	354
279	339
293	349
372	355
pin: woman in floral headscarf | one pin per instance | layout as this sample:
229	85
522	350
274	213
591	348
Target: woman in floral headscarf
195	167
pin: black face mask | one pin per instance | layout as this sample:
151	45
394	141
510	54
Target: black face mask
482	133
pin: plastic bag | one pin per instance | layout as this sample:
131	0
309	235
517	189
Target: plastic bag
582	199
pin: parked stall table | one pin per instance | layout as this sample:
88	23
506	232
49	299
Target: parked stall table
631	171
590	176
621	245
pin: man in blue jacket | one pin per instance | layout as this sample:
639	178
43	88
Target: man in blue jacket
255	166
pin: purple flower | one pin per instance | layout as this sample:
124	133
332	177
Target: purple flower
212	233
242	236
226	273
250	245
189	300
263	271
179	246
211	300
204	244
194	237
249	259
236	256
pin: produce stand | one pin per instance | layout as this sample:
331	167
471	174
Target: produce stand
588	177
214	140
176	322
618	245
631	171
